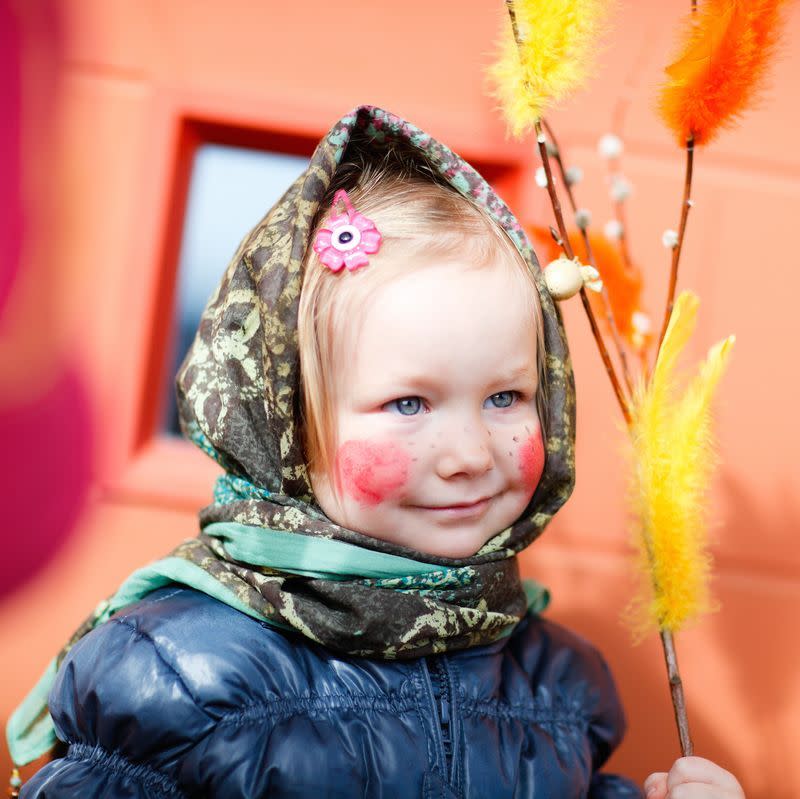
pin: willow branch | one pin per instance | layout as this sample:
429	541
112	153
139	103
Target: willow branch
609	311
671	662
565	243
676	691
675	683
676	252
667	641
513	17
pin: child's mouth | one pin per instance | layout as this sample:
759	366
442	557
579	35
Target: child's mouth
463	510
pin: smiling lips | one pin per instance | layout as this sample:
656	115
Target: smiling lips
460	511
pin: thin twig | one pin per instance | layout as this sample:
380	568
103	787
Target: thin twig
670	656
554	201
676	252
667	641
513	16
676	691
609	311
671	661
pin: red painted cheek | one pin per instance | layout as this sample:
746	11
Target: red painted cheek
531	460
371	473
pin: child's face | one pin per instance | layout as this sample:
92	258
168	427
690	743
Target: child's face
439	442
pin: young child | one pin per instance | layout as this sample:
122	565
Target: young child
386	383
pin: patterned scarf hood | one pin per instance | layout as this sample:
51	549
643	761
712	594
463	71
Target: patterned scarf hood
238	397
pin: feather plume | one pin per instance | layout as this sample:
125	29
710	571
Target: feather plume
557	40
674	458
727	47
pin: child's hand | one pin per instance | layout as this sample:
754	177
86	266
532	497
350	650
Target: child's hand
693	778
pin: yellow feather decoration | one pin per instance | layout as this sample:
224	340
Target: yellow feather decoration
673	460
558	40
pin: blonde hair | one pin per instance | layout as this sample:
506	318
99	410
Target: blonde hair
419	216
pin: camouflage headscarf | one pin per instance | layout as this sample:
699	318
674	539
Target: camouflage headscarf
238	400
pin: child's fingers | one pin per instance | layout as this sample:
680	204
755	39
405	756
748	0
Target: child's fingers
655	786
700	790
701	772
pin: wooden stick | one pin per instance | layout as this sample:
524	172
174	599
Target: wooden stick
513	16
676	252
667	641
676	691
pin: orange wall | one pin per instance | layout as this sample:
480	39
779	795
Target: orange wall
140	83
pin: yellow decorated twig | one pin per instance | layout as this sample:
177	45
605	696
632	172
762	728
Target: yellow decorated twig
673	460
547	51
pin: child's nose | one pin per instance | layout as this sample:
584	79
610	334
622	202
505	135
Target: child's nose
465	453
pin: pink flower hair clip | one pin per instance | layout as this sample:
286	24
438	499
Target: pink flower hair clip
348	239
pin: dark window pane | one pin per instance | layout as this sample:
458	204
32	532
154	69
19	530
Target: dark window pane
231	188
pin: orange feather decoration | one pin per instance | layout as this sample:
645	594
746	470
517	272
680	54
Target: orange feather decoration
726	52
624	285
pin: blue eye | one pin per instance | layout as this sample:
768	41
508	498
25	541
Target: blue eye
503	399
406	406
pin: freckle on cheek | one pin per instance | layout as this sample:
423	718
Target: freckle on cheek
531	460
370	472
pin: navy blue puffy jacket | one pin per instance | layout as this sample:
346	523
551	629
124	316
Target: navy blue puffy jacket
180	695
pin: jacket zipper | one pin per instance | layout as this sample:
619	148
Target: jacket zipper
440	682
